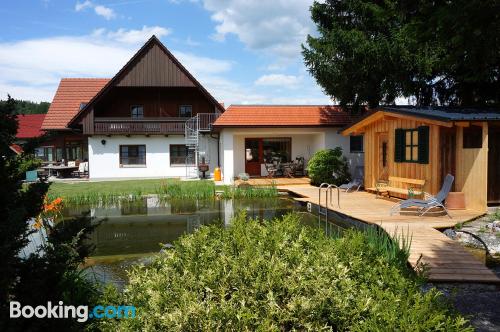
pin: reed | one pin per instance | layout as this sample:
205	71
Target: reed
231	192
108	193
202	189
395	248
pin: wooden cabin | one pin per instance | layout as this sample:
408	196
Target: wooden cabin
427	143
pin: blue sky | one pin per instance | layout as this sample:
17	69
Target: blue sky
242	51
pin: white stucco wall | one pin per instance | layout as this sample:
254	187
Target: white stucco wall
104	159
305	141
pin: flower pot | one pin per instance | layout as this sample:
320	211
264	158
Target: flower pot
455	201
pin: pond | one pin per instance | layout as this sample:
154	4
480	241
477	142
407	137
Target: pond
132	232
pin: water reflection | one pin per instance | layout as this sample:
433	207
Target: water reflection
139	226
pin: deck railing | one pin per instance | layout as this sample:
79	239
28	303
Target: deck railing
139	126
145	126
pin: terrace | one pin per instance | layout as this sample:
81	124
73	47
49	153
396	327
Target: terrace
448	261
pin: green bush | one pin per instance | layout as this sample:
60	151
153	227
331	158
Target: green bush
324	163
278	276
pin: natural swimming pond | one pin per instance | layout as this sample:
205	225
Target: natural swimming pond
131	232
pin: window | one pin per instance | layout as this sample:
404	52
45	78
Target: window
132	155
45	153
356	143
277	149
180	155
384	154
74	150
186	111
411	145
137	112
473	137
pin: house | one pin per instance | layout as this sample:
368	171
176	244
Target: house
152	119
28	127
253	135
428	143
68	143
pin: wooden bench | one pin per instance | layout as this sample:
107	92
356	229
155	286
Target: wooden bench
415	186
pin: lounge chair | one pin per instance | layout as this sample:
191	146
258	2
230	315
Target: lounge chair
430	202
356	182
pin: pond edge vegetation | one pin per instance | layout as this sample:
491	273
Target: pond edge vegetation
98	193
281	275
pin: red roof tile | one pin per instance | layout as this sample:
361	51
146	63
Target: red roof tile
16	148
283	116
70	94
29	125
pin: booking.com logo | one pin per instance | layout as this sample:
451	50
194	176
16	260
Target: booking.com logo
81	312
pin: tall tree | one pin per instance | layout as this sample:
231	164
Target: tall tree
440	52
17	205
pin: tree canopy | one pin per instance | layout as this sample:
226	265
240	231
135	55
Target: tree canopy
28	107
439	52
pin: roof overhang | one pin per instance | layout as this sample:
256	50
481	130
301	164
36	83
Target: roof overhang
389	115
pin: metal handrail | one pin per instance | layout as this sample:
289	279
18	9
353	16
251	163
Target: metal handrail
323	185
329	189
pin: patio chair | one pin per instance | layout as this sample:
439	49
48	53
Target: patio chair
271	170
430	202
31	176
82	171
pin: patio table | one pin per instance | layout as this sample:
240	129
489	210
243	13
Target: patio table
62	171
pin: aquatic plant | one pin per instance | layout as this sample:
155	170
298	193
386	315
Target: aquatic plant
249	192
110	192
279	275
202	189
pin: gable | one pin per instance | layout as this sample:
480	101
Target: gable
154	68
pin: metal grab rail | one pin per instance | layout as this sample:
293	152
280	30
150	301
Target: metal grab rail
329	188
320	211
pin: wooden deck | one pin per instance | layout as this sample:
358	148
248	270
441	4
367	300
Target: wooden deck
264	181
448	261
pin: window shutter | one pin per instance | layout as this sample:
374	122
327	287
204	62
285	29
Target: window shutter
423	144
399	145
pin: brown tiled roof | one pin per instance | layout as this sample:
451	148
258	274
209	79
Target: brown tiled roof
70	94
29	125
283	116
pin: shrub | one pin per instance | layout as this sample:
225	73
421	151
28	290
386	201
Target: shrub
278	275
324	163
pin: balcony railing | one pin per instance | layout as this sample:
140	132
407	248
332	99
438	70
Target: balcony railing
158	126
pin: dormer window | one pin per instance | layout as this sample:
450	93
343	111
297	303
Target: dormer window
186	111
137	112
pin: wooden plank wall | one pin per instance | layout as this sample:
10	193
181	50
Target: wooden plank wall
429	172
155	68
157	102
472	171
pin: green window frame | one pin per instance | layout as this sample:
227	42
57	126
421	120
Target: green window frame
410	154
412	145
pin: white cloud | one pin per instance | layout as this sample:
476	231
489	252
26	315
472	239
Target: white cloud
278	80
106	12
32	69
278	26
79	6
132	36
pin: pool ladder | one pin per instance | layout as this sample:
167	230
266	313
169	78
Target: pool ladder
323	211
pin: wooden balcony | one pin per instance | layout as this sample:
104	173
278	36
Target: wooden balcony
144	126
